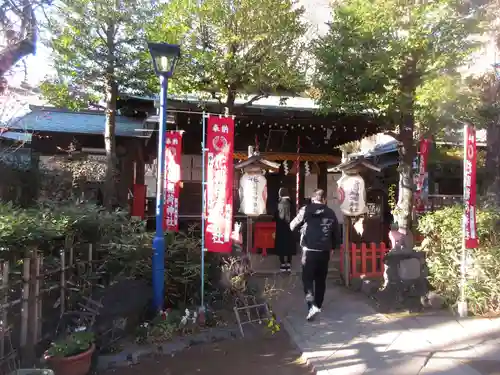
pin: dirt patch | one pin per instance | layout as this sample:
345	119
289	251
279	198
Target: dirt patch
264	354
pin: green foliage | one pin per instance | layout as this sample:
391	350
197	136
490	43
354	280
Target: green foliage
71	345
442	231
61	95
23	229
132	257
95	41
381	55
239	47
167	324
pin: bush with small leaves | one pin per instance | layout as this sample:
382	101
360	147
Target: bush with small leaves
442	231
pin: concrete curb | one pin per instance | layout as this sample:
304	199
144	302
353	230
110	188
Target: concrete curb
134	353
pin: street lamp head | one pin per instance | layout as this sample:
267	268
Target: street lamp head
165	57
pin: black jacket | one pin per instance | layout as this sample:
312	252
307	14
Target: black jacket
319	227
284	241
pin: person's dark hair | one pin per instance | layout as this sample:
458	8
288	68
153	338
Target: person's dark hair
283	192
307	201
319	195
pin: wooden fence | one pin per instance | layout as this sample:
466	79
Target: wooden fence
37	290
365	261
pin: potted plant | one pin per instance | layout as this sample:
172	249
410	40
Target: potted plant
71	355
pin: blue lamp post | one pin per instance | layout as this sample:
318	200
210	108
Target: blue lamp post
165	57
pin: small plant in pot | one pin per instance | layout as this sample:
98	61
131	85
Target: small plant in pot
71	355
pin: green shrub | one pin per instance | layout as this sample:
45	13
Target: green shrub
442	231
22	229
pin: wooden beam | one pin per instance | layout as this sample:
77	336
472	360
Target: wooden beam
277	156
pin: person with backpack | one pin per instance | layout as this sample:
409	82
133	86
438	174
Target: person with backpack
319	235
285	245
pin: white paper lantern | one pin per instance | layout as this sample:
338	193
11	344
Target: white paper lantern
352	195
253	194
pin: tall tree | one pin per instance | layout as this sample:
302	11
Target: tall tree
18	28
400	60
97	45
241	47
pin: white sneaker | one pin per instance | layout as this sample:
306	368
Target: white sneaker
313	311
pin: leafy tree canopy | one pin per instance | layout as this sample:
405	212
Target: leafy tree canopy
235	47
62	95
380	55
96	40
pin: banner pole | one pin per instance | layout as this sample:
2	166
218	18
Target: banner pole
462	304
203	192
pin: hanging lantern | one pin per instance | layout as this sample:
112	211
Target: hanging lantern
253	184
285	167
253	193
307	168
352	195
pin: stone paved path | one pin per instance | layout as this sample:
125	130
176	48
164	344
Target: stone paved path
350	338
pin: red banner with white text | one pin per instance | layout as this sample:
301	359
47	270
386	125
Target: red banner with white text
219	184
422	175
173	152
470	156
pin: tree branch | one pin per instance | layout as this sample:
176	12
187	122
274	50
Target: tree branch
254	99
393	135
27	46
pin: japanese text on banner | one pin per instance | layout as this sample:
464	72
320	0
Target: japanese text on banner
219	184
173	151
469	219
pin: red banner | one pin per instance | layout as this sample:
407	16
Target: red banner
470	156
425	145
173	152
219	184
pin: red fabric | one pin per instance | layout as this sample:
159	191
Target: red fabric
470	156
219	184
173	152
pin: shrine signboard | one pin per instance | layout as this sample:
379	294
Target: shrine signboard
219	184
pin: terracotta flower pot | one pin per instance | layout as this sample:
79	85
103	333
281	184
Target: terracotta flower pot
75	365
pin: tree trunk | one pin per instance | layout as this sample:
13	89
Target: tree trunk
406	151
493	163
109	132
493	150
405	194
16	50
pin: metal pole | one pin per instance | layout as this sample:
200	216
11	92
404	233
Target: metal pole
462	304
159	239
203	187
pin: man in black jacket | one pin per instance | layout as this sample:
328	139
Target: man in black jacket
319	234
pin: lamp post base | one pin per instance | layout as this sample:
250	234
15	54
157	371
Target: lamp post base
462	309
158	268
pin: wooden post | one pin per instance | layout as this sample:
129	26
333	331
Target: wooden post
34	297
39	300
24	302
347	250
5	292
63	281
90	259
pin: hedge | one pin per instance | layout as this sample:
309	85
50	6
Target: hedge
442	231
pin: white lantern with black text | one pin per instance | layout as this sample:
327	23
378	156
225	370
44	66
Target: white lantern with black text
352	195
253	192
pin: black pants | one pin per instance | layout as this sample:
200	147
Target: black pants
314	272
285	259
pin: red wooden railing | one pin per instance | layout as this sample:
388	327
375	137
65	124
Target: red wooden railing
366	260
